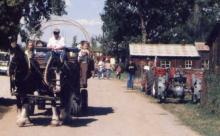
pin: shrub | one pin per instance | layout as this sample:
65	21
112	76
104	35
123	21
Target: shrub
213	94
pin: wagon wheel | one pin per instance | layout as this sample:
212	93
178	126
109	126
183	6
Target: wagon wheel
162	97
31	109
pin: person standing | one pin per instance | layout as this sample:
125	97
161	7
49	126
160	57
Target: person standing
83	58
131	69
118	71
101	66
108	68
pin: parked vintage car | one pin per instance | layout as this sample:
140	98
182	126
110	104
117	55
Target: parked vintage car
4	62
168	84
175	88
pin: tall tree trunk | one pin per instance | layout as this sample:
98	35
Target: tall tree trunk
143	28
196	18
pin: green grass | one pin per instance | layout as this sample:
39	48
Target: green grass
206	123
200	119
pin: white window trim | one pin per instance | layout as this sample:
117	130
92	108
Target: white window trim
188	64
165	63
205	62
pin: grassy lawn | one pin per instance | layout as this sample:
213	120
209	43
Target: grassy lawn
192	115
205	123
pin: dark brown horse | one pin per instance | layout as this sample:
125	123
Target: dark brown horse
26	78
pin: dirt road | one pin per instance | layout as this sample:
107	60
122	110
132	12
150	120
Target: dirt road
113	111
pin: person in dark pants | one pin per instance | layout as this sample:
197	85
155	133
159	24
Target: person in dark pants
131	69
118	71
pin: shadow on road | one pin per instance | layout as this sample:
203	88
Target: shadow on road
80	122
176	101
75	122
5	105
83	120
98	111
7	102
92	111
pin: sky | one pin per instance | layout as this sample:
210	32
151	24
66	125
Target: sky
85	12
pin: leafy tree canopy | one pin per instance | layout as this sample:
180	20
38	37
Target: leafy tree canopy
21	16
158	21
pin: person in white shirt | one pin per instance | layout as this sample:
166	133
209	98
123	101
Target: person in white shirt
56	43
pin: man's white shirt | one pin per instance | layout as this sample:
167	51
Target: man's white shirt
56	43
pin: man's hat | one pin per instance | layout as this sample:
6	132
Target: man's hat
56	30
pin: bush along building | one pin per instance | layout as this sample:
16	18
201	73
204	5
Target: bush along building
186	56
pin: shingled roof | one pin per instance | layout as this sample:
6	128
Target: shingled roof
163	50
201	46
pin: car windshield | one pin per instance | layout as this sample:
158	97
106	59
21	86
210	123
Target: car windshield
180	79
4	57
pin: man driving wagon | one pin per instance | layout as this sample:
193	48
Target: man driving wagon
57	44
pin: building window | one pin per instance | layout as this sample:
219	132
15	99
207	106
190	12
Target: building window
205	64
165	64
188	64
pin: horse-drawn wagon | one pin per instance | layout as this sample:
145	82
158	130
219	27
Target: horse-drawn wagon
48	76
35	82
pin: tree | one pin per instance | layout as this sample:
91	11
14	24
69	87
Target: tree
96	43
21	16
204	16
128	21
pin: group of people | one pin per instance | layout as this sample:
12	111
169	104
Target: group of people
57	44
103	69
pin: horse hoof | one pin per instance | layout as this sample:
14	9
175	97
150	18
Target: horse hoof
55	123
21	122
28	121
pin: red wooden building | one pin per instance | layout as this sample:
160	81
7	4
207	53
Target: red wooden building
171	55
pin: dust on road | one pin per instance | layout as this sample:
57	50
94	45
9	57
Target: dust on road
113	111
